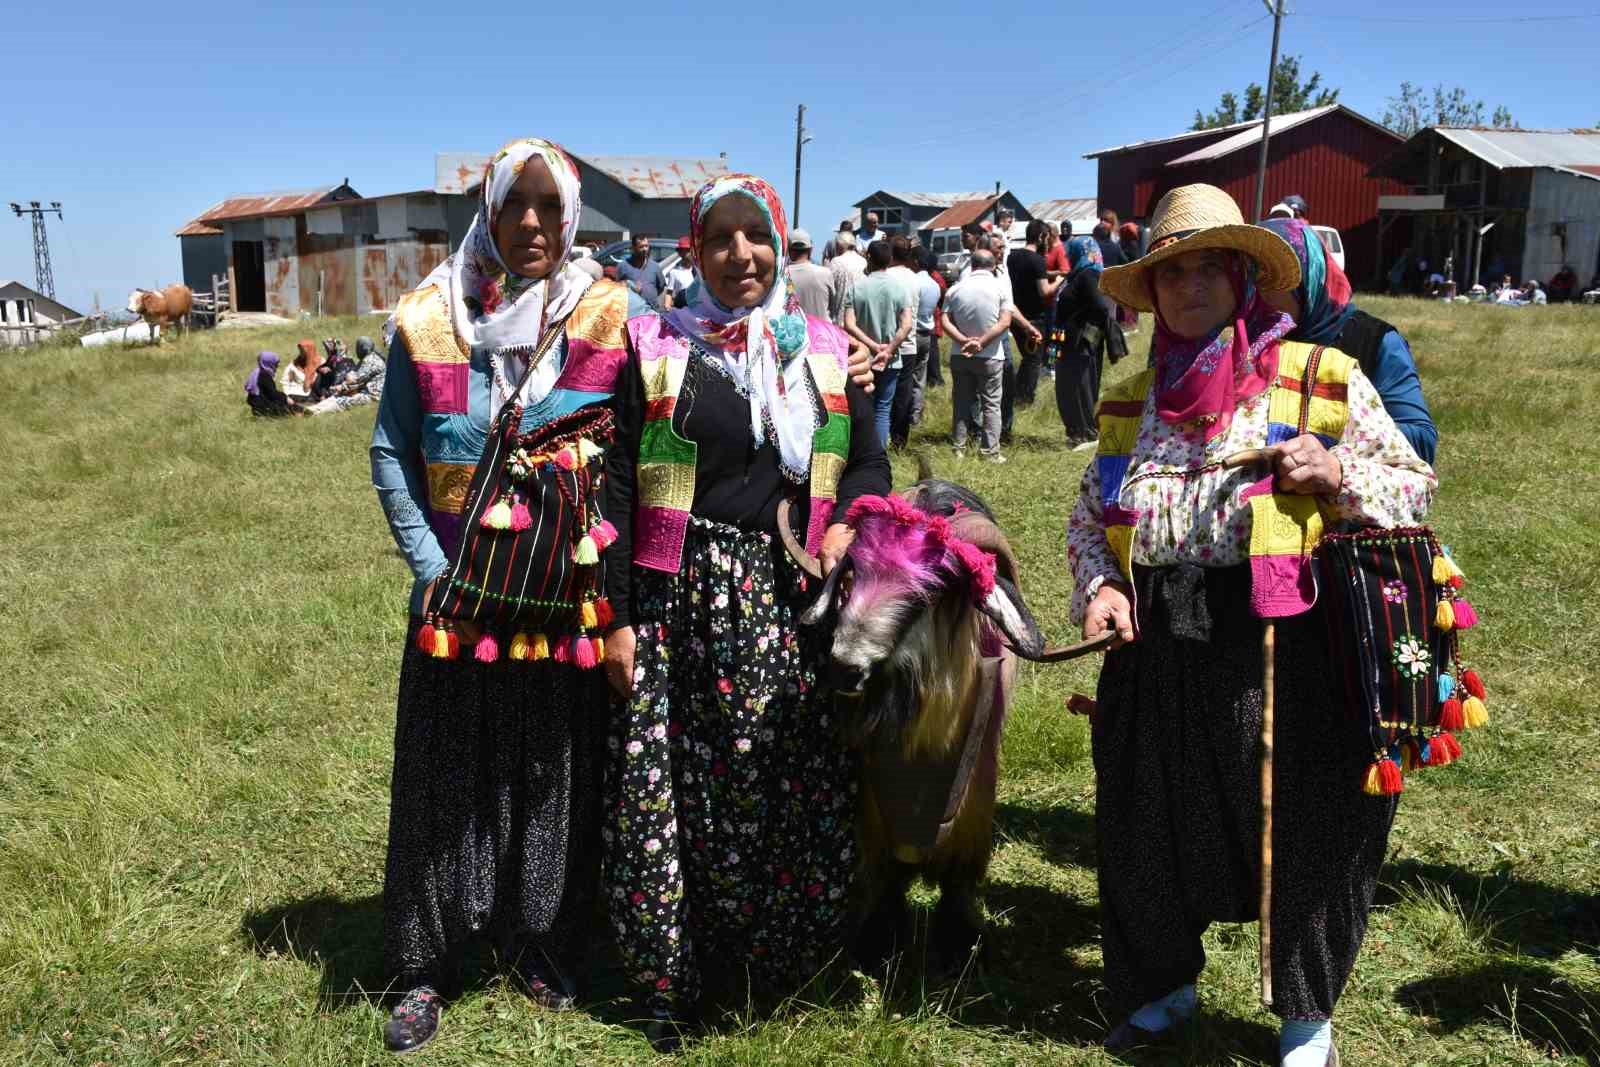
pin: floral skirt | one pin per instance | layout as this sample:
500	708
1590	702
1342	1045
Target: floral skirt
729	837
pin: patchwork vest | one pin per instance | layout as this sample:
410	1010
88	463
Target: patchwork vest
1284	527
667	460
596	352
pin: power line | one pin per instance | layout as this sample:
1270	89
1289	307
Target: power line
1434	21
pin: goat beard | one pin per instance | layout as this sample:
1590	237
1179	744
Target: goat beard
923	693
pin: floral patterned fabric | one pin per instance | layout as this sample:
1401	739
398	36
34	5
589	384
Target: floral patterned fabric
730	833
1192	512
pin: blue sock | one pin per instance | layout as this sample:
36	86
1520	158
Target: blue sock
1162	1012
1305	1042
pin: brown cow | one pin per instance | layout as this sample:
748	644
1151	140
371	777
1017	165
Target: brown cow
162	307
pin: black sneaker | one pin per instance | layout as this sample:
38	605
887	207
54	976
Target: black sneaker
414	1021
665	1034
550	991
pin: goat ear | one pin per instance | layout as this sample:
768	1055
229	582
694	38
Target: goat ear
1005	606
824	603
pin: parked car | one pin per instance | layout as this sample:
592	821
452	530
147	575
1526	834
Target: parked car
662	249
1332	243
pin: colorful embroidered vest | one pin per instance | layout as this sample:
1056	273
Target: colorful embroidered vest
595	354
1285	527
667	460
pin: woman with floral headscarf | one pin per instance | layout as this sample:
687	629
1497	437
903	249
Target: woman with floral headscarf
1083	327
1184	559
494	803
1324	314
729	836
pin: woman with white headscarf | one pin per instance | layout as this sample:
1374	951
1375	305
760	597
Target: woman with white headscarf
729	838
494	804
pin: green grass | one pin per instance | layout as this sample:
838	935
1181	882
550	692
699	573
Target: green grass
202	635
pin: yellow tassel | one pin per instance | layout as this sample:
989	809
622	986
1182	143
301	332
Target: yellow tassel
1473	713
1441	569
519	647
539	647
599	644
441	643
1445	617
587	615
499	517
1372	787
586	553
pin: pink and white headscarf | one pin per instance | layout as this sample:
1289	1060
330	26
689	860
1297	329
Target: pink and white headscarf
493	309
760	347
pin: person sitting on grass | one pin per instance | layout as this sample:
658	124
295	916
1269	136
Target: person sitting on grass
295	382
363	385
261	390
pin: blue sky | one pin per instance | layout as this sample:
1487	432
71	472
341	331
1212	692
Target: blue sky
137	117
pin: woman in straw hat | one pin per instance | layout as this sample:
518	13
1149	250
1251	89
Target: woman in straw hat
1180	556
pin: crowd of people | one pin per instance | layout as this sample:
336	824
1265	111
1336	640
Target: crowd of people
685	772
316	383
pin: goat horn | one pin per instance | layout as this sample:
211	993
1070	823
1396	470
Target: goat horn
806	560
975	527
1062	653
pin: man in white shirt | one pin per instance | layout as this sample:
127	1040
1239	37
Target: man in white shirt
848	266
869	233
813	285
977	315
681	276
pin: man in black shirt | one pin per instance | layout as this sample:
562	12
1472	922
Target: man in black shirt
1033	291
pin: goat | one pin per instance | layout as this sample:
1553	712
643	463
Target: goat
928	624
162	307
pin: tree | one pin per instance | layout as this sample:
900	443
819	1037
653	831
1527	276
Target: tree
1289	93
1414	108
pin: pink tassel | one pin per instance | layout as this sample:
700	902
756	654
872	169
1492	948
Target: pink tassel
1466	617
608	530
520	519
583	653
487	650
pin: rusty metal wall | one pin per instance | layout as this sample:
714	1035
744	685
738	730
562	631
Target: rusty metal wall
281	256
330	260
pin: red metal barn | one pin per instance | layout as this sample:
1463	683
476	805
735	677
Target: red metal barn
1325	154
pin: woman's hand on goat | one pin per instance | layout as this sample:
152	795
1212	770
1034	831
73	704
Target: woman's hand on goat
619	661
1304	466
1110	611
835	543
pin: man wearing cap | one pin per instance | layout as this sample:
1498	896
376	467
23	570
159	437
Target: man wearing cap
813	285
681	276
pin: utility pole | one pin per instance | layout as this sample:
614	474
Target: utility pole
43	278
1276	7
801	137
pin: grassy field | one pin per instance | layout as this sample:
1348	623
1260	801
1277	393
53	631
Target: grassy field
200	652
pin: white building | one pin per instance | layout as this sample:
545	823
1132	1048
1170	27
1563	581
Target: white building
22	309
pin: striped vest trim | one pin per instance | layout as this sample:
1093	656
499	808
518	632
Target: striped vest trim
666	478
1285	527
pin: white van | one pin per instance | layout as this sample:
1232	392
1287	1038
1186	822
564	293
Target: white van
1331	243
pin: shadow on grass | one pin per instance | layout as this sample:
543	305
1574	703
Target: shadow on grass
1536	1003
1532	918
1062	834
341	935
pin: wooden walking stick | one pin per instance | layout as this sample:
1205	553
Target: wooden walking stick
1268	687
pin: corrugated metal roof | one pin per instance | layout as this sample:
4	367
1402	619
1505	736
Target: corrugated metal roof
261	204
1251	135
659	177
652	177
1072	207
1577	151
196	228
928	199
960	213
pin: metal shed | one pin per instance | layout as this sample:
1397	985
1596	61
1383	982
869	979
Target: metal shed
1325	154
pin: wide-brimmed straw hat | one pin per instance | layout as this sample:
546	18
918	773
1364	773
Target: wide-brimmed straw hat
1199	216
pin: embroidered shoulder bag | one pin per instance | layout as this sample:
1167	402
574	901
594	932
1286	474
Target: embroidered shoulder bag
527	569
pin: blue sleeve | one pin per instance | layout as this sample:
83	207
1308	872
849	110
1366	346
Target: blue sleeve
1395	378
398	473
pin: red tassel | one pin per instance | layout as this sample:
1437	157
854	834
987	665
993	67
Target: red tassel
1466	617
561	650
1410	755
1450	717
1390	780
1474	684
1443	748
425	638
603	613
1457	582
487	649
452	645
